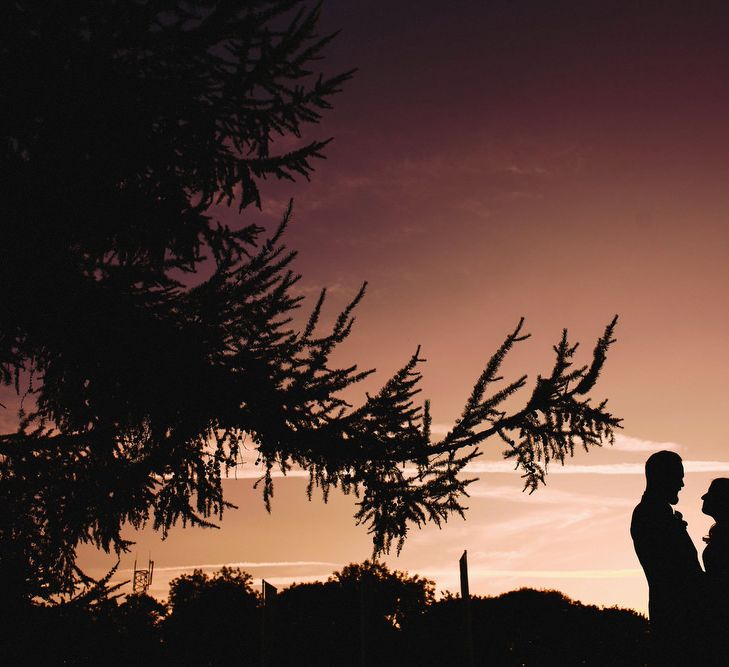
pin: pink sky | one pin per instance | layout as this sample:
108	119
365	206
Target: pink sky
498	160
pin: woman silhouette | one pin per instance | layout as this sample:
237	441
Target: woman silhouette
716	553
716	564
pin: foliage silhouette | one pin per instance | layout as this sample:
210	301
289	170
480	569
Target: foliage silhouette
145	375
213	620
206	613
528	627
327	622
137	623
90	629
128	121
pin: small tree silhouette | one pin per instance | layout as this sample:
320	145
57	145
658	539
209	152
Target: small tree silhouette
206	615
128	123
527	627
359	611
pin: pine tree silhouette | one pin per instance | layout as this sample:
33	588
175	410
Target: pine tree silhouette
143	376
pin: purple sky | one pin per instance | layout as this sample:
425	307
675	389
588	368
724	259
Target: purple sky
561	161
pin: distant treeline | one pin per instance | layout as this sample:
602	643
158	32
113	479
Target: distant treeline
364	614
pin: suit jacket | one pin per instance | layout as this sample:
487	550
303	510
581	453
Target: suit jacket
670	562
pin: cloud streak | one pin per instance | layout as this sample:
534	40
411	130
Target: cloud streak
547	496
243	564
598	469
504	467
626	443
478	573
623	443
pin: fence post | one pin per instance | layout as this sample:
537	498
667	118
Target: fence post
268	598
466	602
363	621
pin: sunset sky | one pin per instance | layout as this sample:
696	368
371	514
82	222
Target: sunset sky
561	161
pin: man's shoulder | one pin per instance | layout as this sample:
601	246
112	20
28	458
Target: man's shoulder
649	505
651	512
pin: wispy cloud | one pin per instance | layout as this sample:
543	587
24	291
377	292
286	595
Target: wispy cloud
255	472
476	207
597	469
546	523
524	170
625	443
440	429
499	556
504	467
555	520
547	496
312	571
243	564
295	579
477	573
160	587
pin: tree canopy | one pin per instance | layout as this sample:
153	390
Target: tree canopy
149	339
365	613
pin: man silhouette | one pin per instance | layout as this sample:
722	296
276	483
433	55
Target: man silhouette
669	560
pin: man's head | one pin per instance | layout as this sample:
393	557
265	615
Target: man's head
664	475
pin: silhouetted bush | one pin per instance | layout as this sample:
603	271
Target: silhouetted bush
213	620
66	634
325	623
528	627
137	623
216	620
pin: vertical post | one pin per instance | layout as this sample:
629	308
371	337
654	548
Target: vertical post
466	601
263	623
362	622
268	595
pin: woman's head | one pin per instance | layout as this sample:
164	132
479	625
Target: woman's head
716	499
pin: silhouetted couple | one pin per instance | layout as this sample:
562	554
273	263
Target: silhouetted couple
688	608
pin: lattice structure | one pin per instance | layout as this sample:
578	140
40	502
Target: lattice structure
142	579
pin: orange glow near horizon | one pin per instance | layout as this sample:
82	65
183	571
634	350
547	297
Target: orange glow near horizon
492	164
